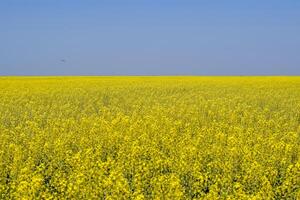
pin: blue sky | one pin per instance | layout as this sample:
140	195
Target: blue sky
149	37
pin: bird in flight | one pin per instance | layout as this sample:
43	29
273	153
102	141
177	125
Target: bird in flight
62	60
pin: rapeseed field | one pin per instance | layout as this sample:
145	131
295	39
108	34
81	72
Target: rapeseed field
150	138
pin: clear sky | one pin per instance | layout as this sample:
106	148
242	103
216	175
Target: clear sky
149	37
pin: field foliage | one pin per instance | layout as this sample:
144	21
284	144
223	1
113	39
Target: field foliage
149	137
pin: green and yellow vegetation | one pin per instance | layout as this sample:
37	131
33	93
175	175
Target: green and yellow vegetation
149	137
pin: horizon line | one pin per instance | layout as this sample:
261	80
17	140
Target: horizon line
152	75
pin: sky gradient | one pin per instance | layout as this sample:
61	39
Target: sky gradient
149	37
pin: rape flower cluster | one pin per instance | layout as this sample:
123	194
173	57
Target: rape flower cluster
149	138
